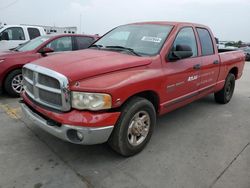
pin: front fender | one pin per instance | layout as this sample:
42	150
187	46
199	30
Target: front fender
121	85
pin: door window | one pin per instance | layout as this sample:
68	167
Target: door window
13	33
33	33
186	37
61	44
84	42
206	42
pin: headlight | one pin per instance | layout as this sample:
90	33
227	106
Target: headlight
1	60
91	101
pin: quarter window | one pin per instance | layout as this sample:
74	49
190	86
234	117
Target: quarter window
61	44
186	37
13	33
206	42
33	33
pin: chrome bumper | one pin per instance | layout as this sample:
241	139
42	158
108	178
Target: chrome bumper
90	135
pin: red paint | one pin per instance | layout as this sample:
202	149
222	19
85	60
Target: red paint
76	117
123	76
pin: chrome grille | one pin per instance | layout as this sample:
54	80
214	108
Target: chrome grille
49	97
28	73
28	85
46	87
46	80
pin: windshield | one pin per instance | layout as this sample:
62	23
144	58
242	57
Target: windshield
143	39
32	44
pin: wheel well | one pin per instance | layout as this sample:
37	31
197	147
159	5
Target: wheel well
149	95
234	71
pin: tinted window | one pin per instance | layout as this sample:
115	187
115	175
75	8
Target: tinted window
61	44
186	37
33	33
13	33
206	42
83	42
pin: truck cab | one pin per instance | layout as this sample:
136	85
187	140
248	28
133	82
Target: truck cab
12	36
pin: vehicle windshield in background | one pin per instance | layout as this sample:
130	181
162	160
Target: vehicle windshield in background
141	39
32	44
247	49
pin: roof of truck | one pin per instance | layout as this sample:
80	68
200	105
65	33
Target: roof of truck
21	26
170	23
72	34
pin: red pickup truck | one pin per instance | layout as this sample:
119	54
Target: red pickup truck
113	91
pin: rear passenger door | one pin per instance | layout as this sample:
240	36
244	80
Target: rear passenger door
82	42
209	63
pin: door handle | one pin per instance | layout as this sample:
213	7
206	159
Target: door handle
216	62
197	67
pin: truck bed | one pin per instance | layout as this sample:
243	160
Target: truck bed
232	59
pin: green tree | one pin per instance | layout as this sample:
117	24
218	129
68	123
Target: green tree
230	44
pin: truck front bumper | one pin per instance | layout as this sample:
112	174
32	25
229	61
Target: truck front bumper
70	133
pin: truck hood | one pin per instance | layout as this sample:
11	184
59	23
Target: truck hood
87	63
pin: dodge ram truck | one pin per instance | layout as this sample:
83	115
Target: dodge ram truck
113	91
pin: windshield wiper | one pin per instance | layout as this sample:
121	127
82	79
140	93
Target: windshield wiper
123	48
99	46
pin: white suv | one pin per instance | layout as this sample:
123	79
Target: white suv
13	35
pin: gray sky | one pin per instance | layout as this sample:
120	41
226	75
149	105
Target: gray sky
229	19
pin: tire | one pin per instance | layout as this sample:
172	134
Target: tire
248	57
123	139
225	94
13	83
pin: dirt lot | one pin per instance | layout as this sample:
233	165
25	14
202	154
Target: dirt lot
201	145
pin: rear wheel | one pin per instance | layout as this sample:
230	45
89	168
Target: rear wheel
225	94
13	83
134	127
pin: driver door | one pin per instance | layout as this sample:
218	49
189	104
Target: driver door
11	38
182	75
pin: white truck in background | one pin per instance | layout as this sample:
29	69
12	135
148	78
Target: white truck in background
12	36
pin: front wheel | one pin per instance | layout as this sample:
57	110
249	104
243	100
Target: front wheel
13	83
225	94
134	127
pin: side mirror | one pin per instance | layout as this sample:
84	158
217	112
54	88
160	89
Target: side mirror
181	52
45	50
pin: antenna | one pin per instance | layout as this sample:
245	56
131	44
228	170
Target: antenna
80	23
